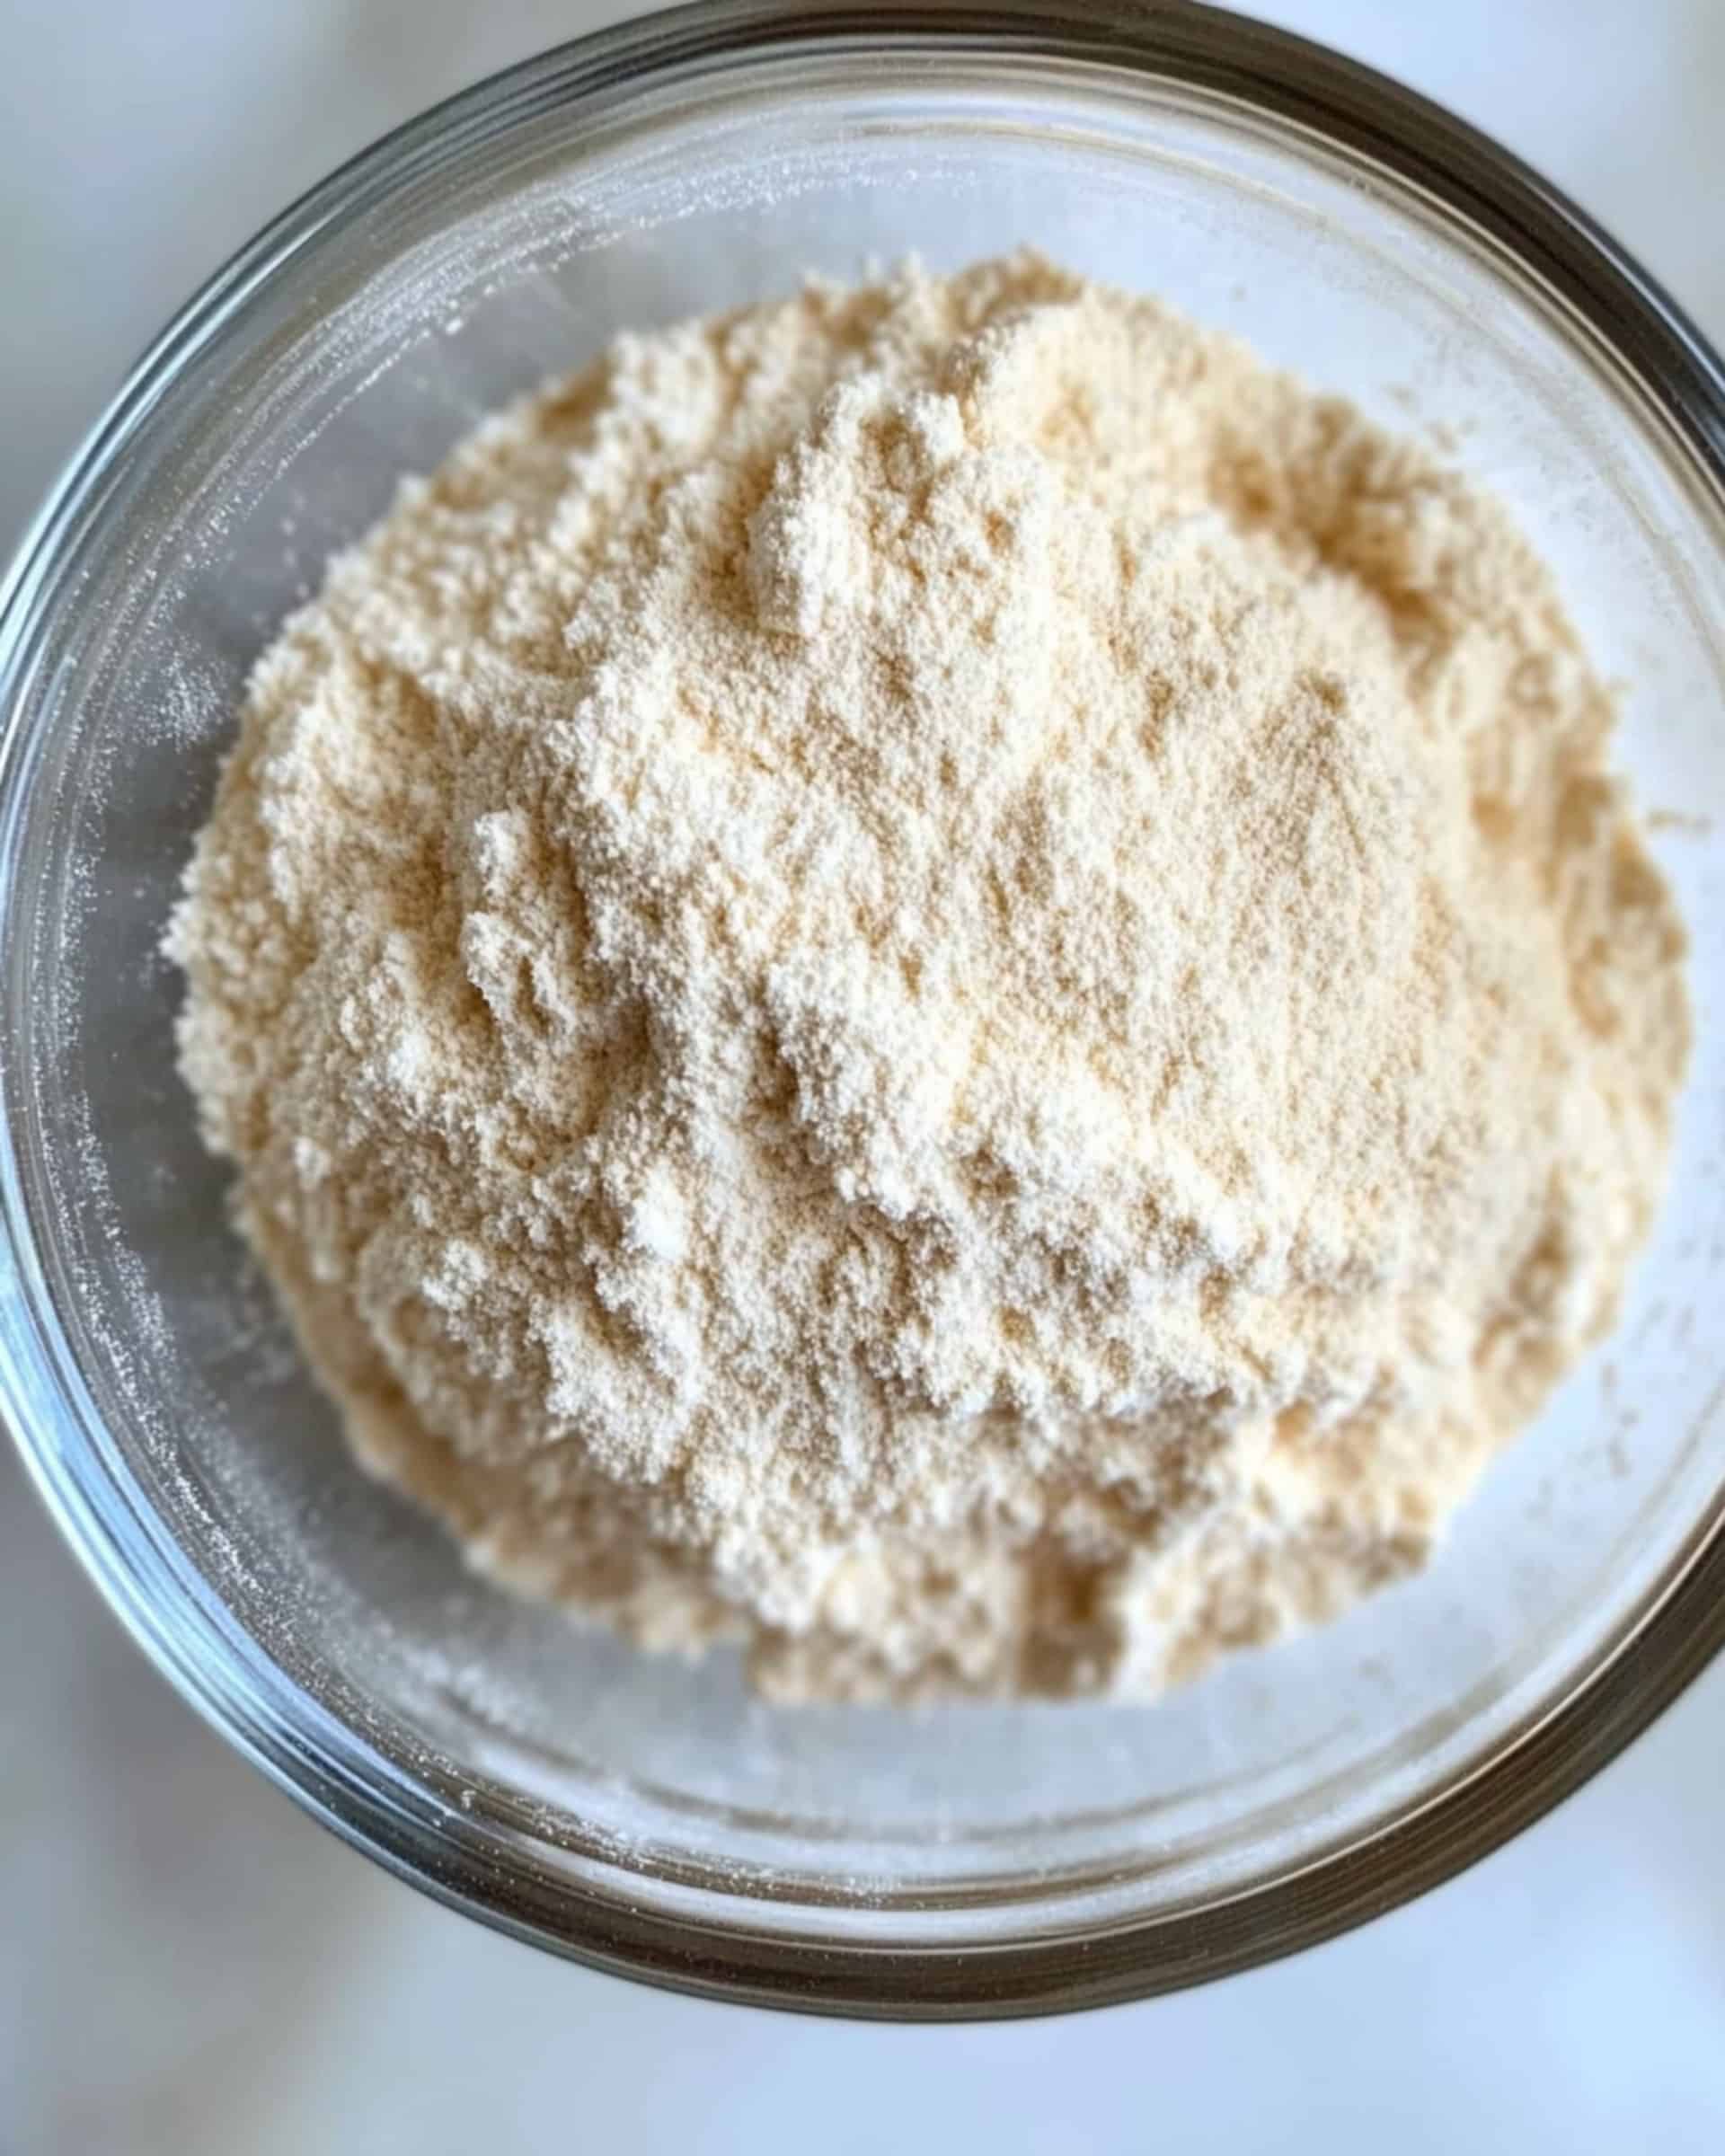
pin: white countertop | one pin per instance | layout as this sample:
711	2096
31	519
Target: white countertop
188	1965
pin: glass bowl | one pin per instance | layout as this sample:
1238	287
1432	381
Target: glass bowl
646	1816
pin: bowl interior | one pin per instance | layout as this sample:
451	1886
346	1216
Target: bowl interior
168	1398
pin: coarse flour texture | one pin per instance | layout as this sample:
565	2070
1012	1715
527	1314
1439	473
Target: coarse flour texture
936	977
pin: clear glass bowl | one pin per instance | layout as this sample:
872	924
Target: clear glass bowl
642	1815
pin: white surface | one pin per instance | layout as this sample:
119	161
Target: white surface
187	1966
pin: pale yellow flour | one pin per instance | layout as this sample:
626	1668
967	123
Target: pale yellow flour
938	978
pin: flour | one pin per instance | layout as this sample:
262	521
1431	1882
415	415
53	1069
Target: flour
937	979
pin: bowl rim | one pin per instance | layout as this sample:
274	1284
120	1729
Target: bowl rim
178	1621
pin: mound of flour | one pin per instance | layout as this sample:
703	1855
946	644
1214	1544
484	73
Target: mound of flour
935	977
